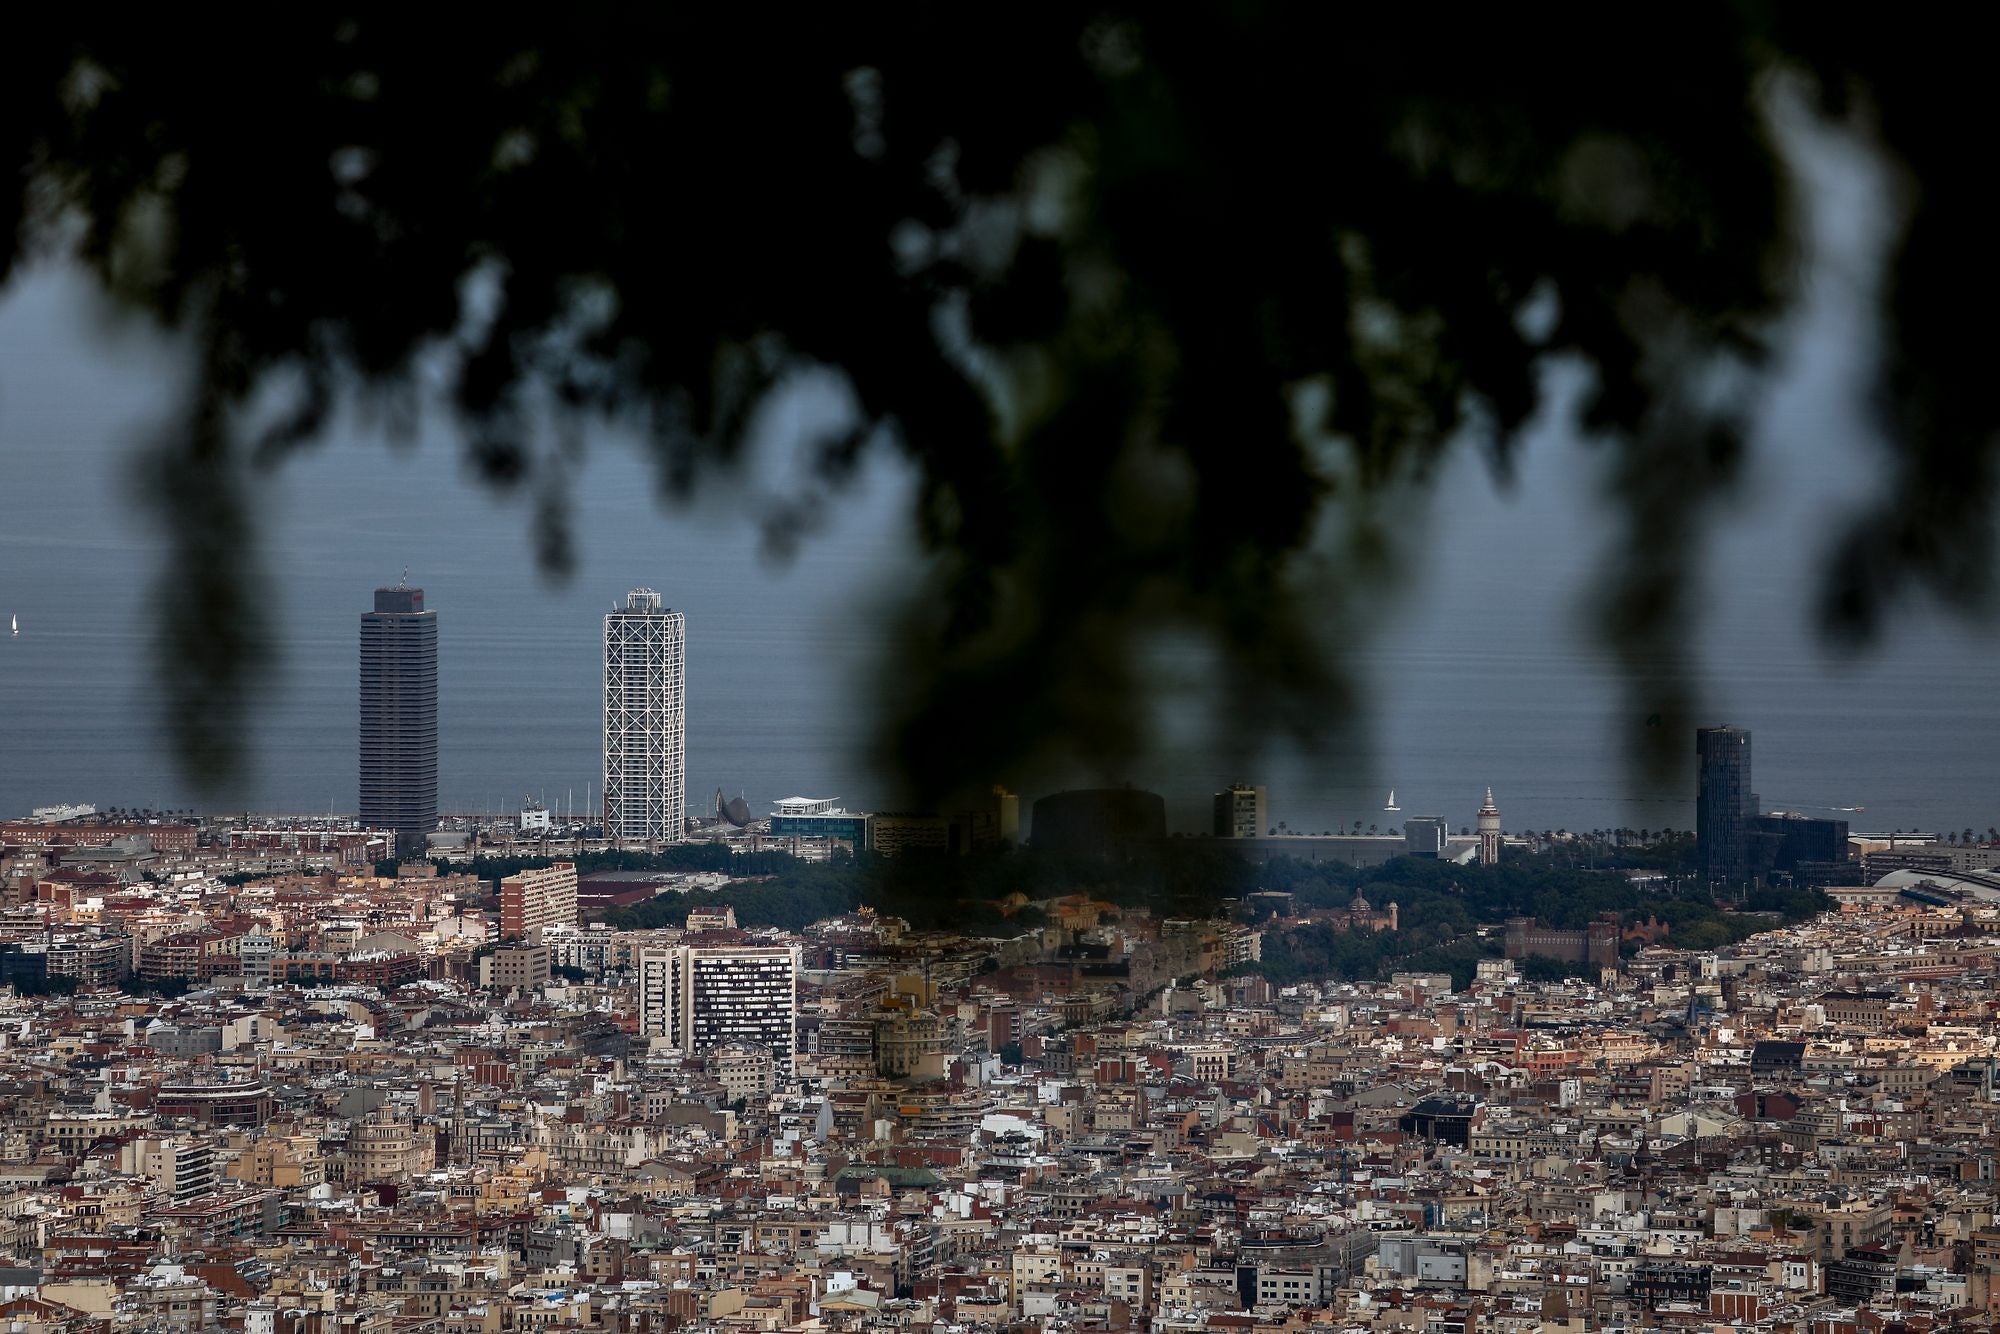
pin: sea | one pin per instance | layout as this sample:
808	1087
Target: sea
1480	667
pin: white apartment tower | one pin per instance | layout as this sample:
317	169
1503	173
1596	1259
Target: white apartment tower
645	720
700	997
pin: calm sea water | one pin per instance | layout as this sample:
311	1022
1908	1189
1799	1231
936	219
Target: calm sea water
774	652
1485	678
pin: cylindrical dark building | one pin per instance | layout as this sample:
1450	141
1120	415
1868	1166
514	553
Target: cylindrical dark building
399	717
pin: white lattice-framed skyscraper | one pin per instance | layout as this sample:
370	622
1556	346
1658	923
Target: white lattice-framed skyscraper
645	720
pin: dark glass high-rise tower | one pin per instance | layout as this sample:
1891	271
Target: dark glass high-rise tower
399	717
1723	805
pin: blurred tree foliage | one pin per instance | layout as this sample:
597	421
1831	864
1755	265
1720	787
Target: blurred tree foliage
1167	304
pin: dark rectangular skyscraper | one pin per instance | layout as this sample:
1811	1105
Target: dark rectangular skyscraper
1723	805
399	717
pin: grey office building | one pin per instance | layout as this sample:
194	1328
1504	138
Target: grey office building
1723	805
1784	841
1424	835
399	717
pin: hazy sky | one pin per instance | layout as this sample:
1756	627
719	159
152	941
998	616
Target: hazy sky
1487	676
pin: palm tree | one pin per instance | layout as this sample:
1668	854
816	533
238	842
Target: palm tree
1371	829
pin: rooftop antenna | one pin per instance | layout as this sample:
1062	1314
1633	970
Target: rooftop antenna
404	582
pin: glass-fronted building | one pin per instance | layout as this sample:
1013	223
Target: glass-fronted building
1723	805
821	817
399	732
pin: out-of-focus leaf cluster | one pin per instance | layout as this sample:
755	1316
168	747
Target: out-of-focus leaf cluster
1166	303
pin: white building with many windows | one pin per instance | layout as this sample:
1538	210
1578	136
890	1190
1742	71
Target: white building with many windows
645	720
700	997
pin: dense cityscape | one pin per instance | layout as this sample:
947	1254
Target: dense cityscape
667	1065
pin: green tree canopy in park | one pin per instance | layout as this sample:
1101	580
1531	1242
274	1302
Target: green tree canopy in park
1166	304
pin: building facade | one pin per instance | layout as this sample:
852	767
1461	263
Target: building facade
385	1146
907	831
226	1104
1241	812
179	1166
519	967
744	1069
93	960
700	997
1723	805
645	720
1786	841
909	1041
535	899
986	821
822	817
399	717
1595	945
1424	835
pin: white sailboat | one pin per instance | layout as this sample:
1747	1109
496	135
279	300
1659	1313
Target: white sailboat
1392	806
16	625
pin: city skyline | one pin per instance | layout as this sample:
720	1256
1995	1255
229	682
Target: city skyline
1485	678
1207	534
